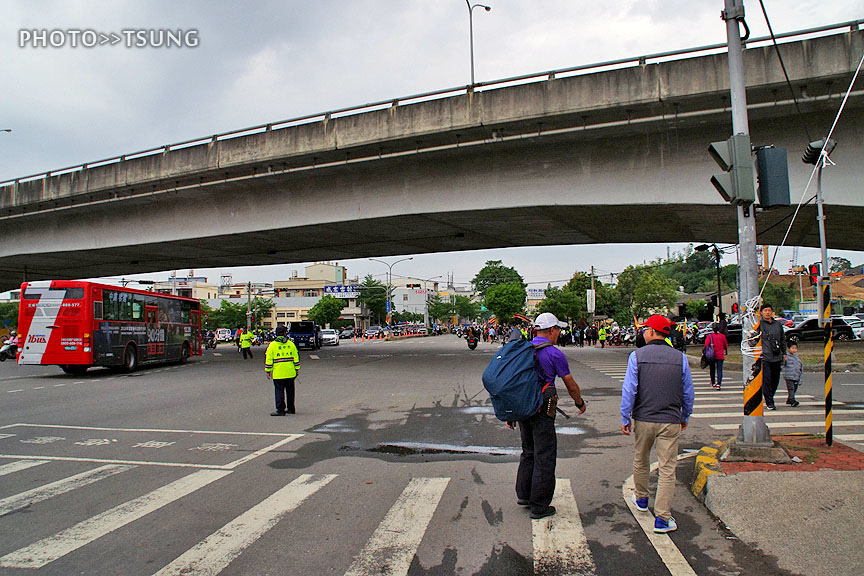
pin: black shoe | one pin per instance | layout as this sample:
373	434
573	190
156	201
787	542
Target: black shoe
550	511
795	403
788	401
522	502
277	413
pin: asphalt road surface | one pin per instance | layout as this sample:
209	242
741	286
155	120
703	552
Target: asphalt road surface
394	464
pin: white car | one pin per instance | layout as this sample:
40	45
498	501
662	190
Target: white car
857	328
329	337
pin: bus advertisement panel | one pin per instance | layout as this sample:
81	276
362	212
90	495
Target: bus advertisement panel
76	325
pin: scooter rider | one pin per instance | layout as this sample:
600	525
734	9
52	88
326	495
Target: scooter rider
10	347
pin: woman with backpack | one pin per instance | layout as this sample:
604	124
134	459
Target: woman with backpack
716	347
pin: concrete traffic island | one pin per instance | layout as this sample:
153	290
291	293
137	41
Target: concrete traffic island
790	510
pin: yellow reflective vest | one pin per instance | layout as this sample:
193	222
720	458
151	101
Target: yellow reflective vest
282	359
246	339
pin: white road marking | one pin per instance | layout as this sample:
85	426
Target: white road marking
560	546
214	553
50	549
38	388
248	457
849	437
741	405
20	465
217	354
399	534
149	430
775	414
314	357
18	390
853	384
24	499
59	385
817	424
663	544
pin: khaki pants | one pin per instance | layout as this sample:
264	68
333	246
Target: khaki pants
664	437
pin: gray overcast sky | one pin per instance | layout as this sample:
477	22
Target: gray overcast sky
263	61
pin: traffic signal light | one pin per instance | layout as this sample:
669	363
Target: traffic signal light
734	158
412	286
734	307
814	270
814	150
772	175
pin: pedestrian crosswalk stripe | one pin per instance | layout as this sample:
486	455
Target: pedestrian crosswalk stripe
25	499
849	437
214	553
741	404
19	465
399	534
50	549
774	414
814	424
560	546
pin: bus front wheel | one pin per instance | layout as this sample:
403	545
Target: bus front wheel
130	359
185	352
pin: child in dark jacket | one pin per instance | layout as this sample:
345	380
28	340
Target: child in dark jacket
793	371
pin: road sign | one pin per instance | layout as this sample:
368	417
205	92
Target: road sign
590	300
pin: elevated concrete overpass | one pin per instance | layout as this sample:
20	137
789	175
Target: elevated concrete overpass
610	156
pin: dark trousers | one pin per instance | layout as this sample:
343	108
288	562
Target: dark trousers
284	388
791	389
535	480
247	351
770	380
716	368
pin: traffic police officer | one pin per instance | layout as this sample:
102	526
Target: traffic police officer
246	343
282	365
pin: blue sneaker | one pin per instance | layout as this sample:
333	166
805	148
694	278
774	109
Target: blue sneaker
641	503
662	526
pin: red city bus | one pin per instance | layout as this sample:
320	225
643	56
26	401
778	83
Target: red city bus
76	325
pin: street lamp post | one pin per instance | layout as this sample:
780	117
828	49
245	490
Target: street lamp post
471	31
702	248
389	283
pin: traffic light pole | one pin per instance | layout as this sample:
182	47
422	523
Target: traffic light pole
753	430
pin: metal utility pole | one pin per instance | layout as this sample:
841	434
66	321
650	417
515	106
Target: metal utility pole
471	31
248	306
753	429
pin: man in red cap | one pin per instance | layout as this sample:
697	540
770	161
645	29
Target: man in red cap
656	403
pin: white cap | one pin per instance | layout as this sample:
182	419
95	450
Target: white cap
547	320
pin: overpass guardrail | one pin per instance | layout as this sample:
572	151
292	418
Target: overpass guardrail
852	25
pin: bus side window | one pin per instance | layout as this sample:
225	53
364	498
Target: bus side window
97	310
136	310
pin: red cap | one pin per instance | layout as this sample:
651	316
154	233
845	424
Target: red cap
659	323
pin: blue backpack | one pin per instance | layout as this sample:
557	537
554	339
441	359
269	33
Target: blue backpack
513	381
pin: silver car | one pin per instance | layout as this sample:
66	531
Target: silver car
329	337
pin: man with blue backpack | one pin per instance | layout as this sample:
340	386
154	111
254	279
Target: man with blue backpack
521	382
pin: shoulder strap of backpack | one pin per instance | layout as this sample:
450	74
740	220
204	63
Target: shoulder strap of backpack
542	345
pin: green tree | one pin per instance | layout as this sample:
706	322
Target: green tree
465	308
494	273
9	315
327	310
696	308
780	297
440	311
564	304
652	291
504	300
373	297
839	264
261	309
228	315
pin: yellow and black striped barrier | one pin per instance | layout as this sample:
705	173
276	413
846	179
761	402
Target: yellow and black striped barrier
753	389
829	348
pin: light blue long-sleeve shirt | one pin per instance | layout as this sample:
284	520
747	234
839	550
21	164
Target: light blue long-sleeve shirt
631	382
